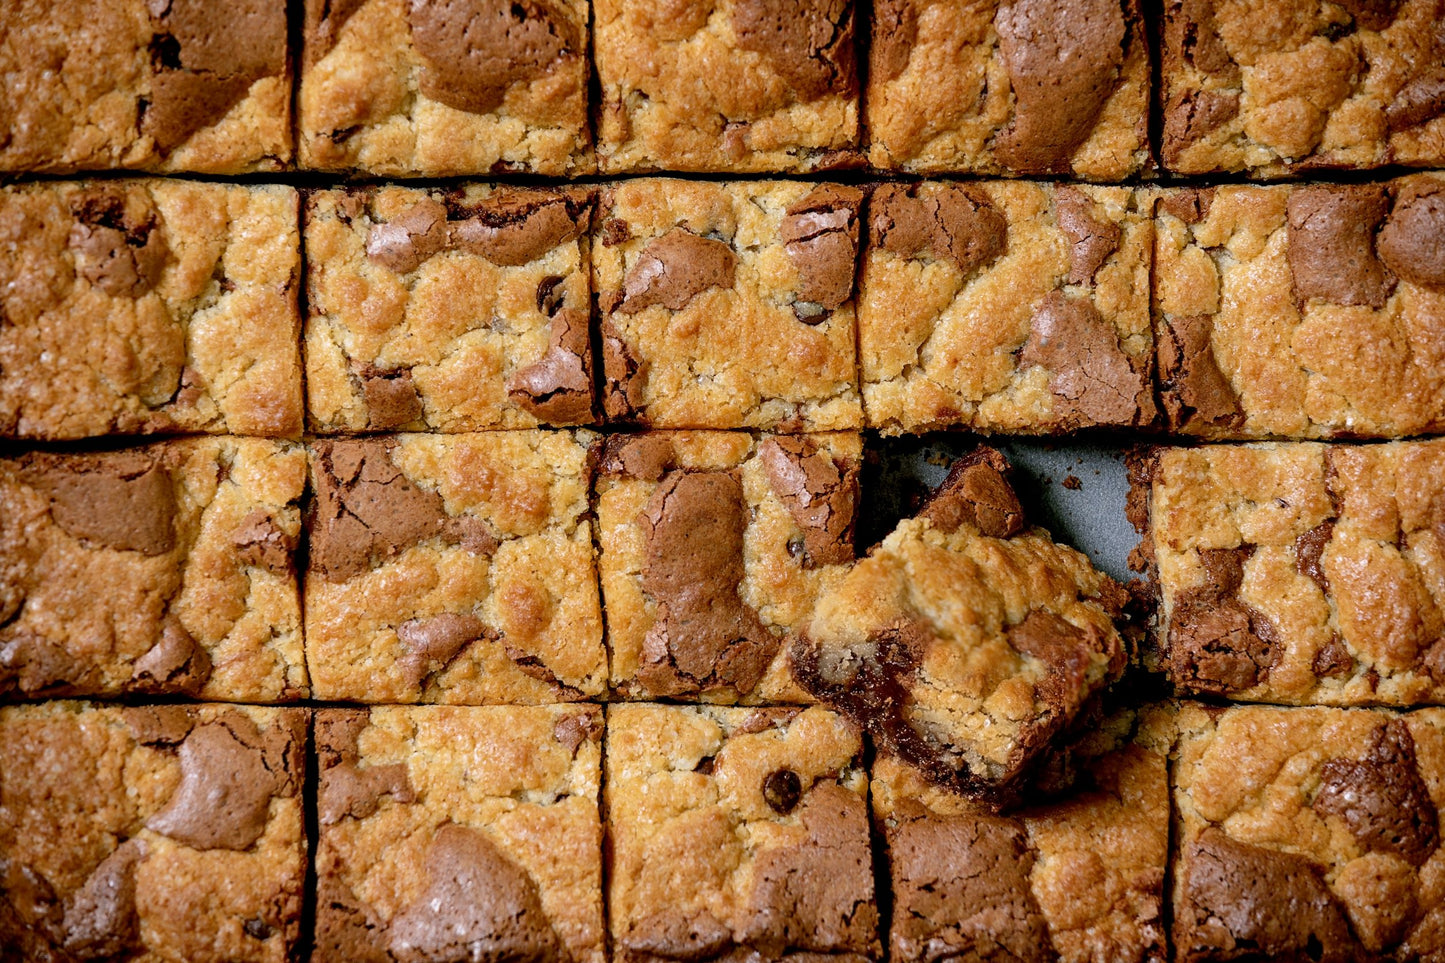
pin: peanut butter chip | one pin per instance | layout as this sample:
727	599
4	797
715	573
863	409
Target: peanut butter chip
674	269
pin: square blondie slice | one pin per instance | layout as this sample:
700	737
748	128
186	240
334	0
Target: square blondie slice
714	548
453	568
737	834
728	305
1006	306
451	833
1303	573
1302	311
1308	834
168	569
1024	87
151	833
1076	878
1315	85
450	310
147	305
439	88
737	86
179	85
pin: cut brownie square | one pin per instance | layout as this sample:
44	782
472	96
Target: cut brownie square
1303	573
1077	879
451	833
736	86
439	87
966	641
448	310
1006	306
453	568
1308	311
714	547
1309	834
1307	86
167	569
738	834
151	833
181	85
139	306
728	305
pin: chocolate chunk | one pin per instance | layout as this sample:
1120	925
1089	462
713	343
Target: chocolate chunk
225	793
404	243
347	928
1066	651
1333	660
781	790
808	42
895	30
1191	204
821	496
672	934
514	227
1419	101
961	891
476	50
478	905
976	492
158	725
674	269
390	395
1307	551
1245	902
1193	386
433	642
1331	248
958	224
1218	644
1063	62
646	456
175	664
1092	239
705	636
205	58
820	235
1410	242
551	296
818	894
1372	14
260	541
120	247
573	730
348	790
121	500
100	917
39	666
366	509
557	388
1193	115
624	375
1382	798
1091	377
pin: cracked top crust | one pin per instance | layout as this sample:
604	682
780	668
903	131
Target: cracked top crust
769	807
451	832
453	568
445	87
133	307
166	569
1024	87
186	841
1303	573
1006	306
448	310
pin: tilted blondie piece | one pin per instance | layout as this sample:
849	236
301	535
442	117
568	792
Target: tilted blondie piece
1006	306
136	306
167	569
1021	87
447	310
728	305
1302	86
178	85
441	87
451	833
453	568
738	834
1309	834
1307	311
742	85
151	833
965	641
1303	573
715	546
1074	879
